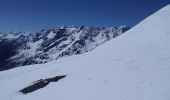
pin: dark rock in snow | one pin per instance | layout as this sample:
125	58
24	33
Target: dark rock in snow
40	84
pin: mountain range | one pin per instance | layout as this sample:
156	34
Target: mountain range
26	48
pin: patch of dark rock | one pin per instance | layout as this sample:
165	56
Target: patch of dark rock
7	49
40	84
125	29
55	44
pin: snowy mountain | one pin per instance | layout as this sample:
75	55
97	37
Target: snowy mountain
26	48
133	66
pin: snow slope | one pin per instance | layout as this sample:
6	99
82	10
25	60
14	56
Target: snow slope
134	66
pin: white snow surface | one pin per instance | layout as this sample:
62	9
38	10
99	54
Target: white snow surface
51	35
134	66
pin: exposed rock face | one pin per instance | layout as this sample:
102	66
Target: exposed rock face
40	84
51	44
7	50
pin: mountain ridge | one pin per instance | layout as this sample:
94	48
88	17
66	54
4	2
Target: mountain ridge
51	44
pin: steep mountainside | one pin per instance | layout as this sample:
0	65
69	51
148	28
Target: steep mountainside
133	66
47	45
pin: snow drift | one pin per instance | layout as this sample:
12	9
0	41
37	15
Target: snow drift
134	66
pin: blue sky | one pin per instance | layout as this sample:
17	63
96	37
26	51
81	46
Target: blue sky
34	15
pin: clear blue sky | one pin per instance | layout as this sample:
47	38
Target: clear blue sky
33	15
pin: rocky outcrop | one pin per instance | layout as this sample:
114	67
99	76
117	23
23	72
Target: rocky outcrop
40	84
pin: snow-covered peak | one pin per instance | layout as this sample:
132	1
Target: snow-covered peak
50	44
